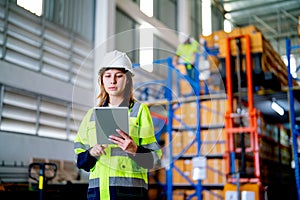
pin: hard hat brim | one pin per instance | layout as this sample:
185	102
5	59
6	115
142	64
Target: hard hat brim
100	72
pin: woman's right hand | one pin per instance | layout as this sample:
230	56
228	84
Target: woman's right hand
98	150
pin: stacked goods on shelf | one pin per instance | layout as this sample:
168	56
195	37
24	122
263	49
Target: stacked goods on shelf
213	40
213	144
212	114
186	112
270	60
213	140
256	41
275	152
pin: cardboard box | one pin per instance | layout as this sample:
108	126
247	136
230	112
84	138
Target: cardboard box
177	144
213	141
218	36
213	40
215	171
177	177
213	112
185	87
209	39
212	195
178	195
235	32
251	29
256	45
187	138
187	113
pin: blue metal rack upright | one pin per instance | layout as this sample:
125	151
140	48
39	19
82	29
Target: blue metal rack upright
171	105
294	130
196	88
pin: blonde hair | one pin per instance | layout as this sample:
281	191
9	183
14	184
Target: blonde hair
128	94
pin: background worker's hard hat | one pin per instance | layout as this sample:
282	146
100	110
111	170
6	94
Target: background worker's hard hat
183	38
116	59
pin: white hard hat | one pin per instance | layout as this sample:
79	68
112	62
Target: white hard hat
116	59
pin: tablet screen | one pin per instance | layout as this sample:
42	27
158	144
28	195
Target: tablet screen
107	120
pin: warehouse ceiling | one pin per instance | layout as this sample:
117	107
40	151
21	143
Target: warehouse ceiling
277	19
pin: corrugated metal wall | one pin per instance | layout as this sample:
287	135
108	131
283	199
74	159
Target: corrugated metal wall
33	43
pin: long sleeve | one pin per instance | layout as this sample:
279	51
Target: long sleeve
82	145
86	161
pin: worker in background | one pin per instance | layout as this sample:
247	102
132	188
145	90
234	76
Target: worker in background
118	170
186	54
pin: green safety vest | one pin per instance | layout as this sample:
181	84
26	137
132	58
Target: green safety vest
187	51
116	168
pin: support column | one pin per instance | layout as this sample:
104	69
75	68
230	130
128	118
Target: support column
105	13
183	18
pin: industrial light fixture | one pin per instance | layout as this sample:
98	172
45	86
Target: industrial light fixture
276	107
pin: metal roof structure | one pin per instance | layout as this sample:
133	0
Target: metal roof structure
277	19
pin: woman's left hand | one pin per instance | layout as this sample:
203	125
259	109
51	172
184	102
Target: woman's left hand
125	142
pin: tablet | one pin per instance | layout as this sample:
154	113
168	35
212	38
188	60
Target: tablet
107	120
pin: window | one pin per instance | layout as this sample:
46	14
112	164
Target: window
34	6
206	18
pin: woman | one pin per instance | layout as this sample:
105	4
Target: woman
118	170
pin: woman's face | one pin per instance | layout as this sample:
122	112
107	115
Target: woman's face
114	82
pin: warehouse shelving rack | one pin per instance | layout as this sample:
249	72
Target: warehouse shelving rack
172	105
294	129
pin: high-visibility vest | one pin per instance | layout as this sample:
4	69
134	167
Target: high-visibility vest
186	52
116	168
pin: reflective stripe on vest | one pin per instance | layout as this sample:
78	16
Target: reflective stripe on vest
118	152
135	109
78	145
127	182
94	183
119	181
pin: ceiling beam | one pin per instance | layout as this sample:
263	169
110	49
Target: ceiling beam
284	35
239	6
293	18
259	20
263	9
